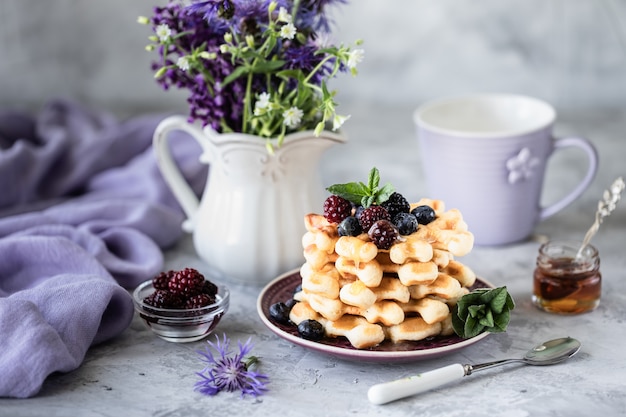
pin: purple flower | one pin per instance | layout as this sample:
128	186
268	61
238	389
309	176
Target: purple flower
312	14
226	52
230	373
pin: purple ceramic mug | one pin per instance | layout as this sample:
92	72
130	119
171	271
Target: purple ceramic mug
486	155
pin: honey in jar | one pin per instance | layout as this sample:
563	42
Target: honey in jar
565	281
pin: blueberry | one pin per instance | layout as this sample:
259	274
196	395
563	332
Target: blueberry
280	312
358	210
406	223
424	214
350	226
311	330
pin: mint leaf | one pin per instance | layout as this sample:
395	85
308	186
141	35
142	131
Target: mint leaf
361	193
352	191
472	327
482	310
498	301
384	193
487	319
373	179
501	321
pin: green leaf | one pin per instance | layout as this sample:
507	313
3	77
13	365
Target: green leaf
364	194
476	311
267	66
385	193
498	301
501	321
352	191
487	319
482	310
472	327
238	72
373	179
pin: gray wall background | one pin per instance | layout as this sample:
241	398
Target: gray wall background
569	52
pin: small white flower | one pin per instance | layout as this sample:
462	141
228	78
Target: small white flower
163	32
288	31
521	166
355	57
292	117
338	121
284	16
261	104
183	63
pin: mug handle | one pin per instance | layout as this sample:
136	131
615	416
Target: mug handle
592	156
170	171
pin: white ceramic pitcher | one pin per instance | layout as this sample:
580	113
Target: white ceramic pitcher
249	223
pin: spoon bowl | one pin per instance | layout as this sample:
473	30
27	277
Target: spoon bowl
553	351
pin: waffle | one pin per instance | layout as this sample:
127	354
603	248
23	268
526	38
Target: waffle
367	295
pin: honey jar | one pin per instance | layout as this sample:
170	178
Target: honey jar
566	281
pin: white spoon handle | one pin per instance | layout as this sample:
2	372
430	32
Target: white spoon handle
390	391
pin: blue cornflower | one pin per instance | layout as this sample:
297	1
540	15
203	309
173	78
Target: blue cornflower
230	373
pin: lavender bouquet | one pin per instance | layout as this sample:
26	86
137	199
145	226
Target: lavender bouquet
252	66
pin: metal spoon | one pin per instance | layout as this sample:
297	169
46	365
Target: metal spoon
547	353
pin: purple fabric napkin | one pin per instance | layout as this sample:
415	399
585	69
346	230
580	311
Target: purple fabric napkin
84	216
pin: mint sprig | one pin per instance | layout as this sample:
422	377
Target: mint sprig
482	310
364	194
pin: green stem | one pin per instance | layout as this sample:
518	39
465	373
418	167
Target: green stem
317	68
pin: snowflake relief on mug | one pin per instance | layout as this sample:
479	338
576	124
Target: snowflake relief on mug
521	166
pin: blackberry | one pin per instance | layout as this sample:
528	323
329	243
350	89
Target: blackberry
337	208
383	233
187	282
424	214
160	282
349	226
209	288
163	299
396	203
406	223
199	300
371	215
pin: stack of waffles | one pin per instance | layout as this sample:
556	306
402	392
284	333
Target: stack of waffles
369	295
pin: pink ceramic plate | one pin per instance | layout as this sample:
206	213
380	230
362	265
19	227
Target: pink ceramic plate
282	289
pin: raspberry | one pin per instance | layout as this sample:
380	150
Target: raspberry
187	282
371	215
199	300
383	233
336	209
160	282
396	203
163	299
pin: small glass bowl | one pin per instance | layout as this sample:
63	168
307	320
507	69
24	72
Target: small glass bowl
181	325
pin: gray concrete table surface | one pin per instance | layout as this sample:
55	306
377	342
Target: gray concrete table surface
138	374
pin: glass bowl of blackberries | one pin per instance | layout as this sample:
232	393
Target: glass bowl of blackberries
182	305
